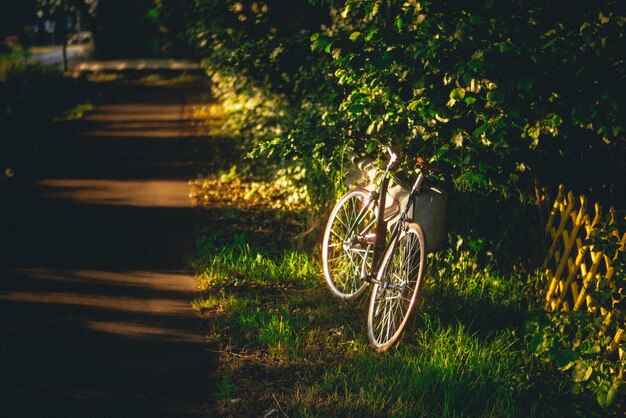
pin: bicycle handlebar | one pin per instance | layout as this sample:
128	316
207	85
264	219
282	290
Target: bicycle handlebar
394	154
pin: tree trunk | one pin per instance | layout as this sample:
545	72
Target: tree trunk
64	38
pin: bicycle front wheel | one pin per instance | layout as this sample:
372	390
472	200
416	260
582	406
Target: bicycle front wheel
345	251
397	287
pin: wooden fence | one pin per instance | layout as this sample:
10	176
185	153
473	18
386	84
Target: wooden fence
571	265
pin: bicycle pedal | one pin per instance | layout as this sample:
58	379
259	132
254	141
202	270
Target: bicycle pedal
369	279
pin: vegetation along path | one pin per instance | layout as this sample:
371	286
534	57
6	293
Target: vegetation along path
95	313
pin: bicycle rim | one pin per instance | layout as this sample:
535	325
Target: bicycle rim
343	260
398	283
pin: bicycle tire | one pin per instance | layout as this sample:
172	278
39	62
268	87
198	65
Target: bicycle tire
343	263
397	287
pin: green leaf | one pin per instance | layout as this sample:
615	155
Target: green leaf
457	94
607	391
582	371
565	359
413	104
475	64
355	35
495	96
399	23
370	35
584	26
152	14
537	343
321	43
469	100
589	348
356	108
480	130
508	46
549	33
554	120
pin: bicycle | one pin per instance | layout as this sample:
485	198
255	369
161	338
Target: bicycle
359	249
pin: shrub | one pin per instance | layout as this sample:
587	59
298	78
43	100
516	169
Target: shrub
505	94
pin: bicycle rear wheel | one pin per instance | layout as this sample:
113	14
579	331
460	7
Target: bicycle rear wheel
345	250
397	288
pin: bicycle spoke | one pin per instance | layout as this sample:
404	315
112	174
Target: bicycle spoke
342	252
391	304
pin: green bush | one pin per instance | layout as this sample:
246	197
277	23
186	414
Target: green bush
506	95
503	94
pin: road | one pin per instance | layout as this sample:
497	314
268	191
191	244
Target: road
54	55
95	289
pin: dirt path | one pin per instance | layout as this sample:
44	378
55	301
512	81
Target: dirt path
95	314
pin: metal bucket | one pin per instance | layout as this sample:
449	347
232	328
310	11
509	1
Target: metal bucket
429	208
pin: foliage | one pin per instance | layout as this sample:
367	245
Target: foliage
124	29
258	56
582	342
503	94
571	342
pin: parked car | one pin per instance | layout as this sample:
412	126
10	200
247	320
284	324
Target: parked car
81	38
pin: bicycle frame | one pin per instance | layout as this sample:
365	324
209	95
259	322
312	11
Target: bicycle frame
380	244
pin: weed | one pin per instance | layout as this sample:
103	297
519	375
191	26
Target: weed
227	389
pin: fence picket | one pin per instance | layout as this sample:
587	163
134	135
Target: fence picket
573	267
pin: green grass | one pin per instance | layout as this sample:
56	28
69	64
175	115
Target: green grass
446	372
241	265
463	354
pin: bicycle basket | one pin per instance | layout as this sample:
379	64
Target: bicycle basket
429	209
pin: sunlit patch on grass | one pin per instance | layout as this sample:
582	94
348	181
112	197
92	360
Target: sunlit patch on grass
208	111
213	303
232	189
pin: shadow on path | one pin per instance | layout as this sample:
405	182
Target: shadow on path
95	311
